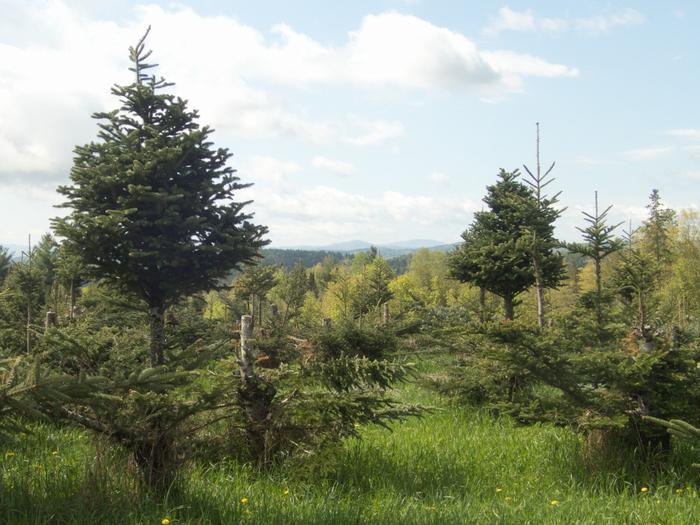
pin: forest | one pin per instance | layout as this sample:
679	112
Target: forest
159	364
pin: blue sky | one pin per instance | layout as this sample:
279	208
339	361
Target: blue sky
376	120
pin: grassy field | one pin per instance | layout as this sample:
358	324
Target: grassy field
455	465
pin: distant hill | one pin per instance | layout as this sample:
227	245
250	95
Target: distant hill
289	258
398	247
397	253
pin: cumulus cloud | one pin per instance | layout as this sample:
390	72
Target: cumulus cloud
334	166
57	63
268	170
508	19
321	212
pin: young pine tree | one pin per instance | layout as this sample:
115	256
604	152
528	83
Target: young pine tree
599	243
547	265
154	208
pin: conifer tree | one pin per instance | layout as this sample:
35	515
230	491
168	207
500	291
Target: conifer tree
5	263
636	275
657	227
154	208
496	254
292	289
253	285
599	243
547	270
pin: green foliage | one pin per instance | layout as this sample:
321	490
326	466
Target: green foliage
5	262
300	402
497	253
536	376
350	340
153	203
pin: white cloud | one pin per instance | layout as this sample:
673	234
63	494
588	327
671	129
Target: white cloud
335	166
686	133
648	153
57	64
322	212
268	170
604	23
376	132
508	19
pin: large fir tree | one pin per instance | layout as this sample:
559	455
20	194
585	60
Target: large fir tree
497	253
154	208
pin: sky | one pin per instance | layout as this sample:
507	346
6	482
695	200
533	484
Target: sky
378	120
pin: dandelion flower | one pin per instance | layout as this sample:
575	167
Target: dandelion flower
554	503
244	501
644	490
679	491
286	492
508	498
9	454
499	489
54	453
165	521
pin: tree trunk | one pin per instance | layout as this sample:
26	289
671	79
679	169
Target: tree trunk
537	270
539	291
482	304
508	307
71	299
255	396
598	298
29	326
156	318
643	317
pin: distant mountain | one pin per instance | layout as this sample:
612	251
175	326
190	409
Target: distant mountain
396	248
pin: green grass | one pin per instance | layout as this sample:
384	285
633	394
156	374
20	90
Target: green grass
455	465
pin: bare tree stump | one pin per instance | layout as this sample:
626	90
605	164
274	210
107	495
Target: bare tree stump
255	396
50	320
246	357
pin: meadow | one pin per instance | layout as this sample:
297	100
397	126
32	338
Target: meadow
456	464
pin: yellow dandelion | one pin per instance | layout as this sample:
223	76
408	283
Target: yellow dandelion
165	521
54	453
244	501
644	490
679	491
508	498
9	454
286	492
554	503
499	489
